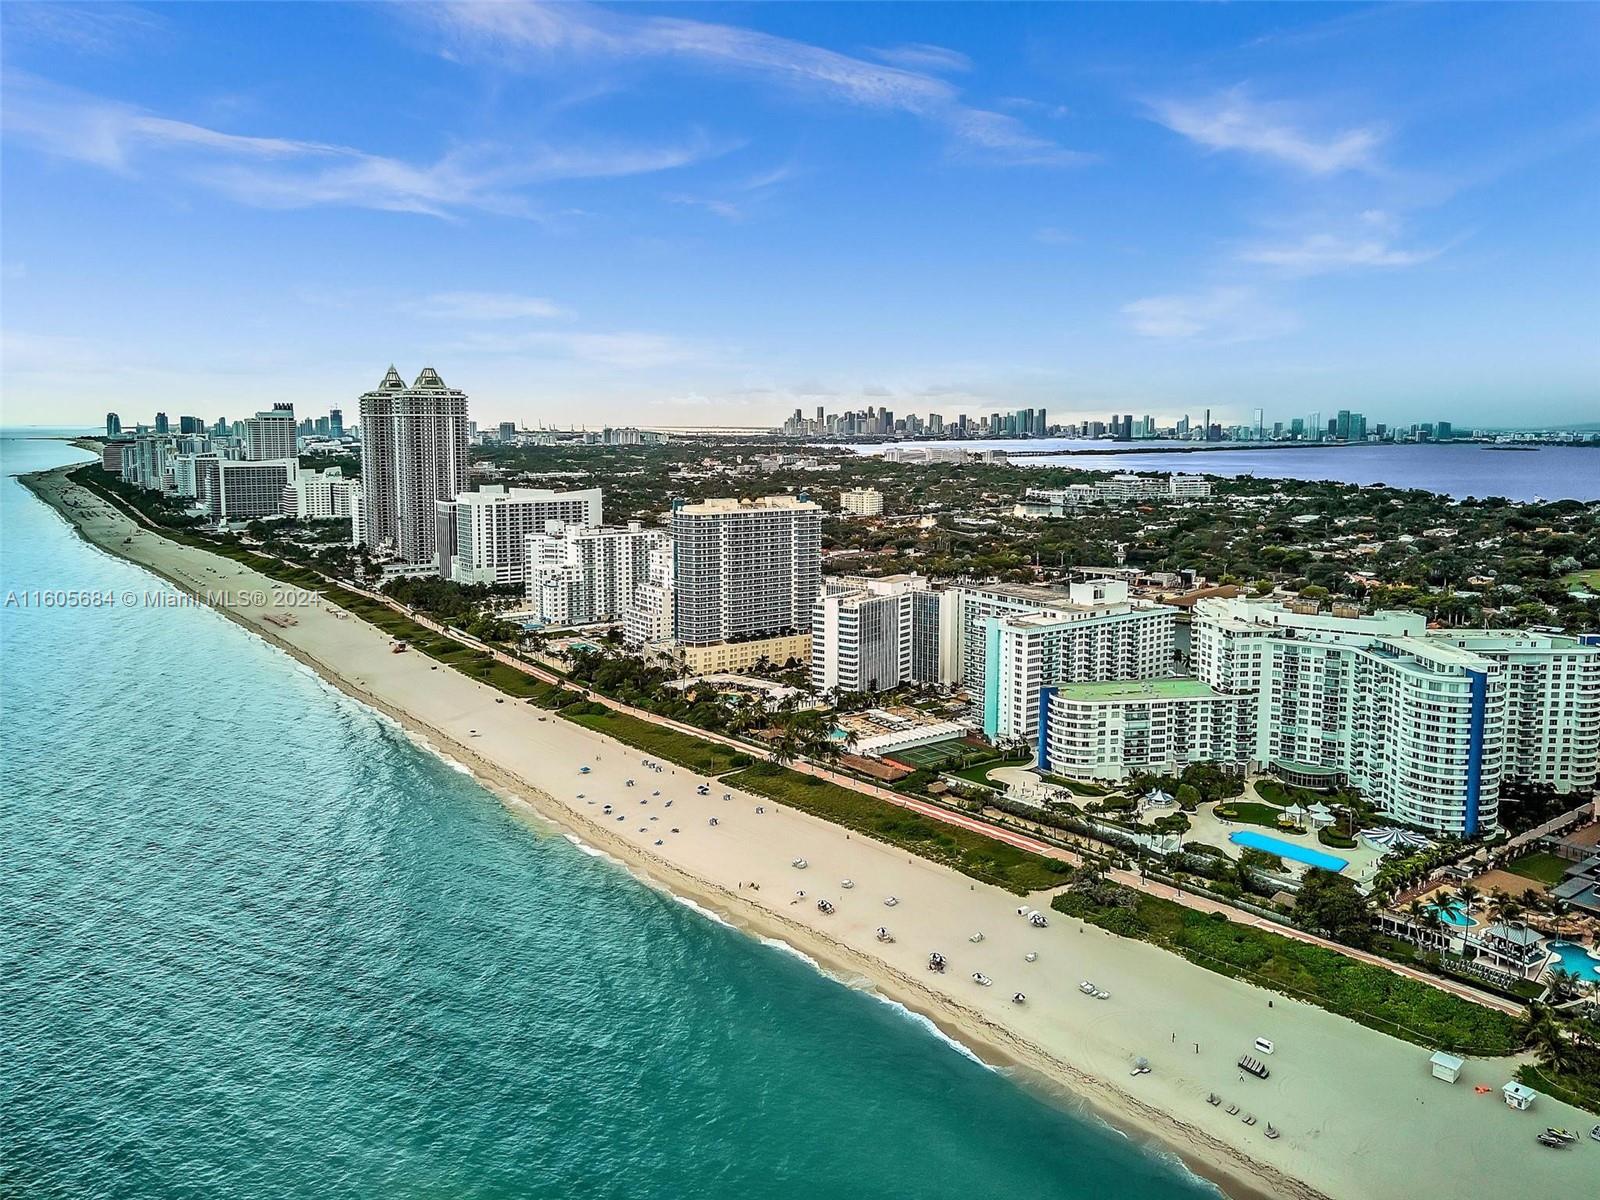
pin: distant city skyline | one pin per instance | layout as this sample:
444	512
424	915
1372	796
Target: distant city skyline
686	215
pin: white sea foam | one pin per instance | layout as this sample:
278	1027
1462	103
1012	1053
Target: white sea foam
591	851
917	1018
702	910
780	944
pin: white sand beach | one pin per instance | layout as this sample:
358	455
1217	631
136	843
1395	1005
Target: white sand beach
1359	1114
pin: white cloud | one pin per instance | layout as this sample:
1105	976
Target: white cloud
921	56
516	31
1231	120
1222	314
1320	253
274	172
725	209
99	29
486	306
1051	236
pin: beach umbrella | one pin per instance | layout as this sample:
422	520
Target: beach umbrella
1320	813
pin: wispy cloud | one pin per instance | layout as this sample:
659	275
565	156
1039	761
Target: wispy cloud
1221	314
486	306
921	56
524	32
276	172
1233	120
725	209
1369	241
98	29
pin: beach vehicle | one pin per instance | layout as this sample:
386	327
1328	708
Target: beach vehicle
890	901
1018	998
1087	988
824	906
936	962
799	864
703	790
1030	956
1566	1135
398	648
1102	994
1253	1066
1263	1046
982	980
977	937
1555	1143
1595	1133
883	935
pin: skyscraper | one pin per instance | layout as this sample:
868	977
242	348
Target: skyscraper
113	424
161	422
335	423
413	454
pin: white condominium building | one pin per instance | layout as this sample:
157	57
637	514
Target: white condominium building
1123	487
1552	704
270	435
647	618
321	494
413	454
861	502
868	635
745	569
482	536
581	574
1417	724
1159	726
1088	632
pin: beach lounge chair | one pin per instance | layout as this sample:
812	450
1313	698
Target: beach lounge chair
1249	1119
1213	1099
1271	1132
1233	1110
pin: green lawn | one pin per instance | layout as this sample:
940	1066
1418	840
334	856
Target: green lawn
708	758
980	772
1371	995
1250	813
1588	580
1077	786
969	852
1546	868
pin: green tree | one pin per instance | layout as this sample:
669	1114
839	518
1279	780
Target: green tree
1331	905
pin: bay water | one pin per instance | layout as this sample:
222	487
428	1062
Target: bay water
256	942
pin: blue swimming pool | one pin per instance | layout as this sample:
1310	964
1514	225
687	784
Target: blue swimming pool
1283	849
1454	914
1576	959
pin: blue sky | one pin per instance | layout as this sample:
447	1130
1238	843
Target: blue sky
677	214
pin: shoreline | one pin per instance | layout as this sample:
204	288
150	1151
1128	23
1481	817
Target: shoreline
1037	1061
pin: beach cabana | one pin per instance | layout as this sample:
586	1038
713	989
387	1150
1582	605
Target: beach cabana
1446	1066
1156	798
1519	1096
1296	813
1320	814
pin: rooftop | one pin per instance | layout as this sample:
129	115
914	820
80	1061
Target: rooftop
1139	689
745	504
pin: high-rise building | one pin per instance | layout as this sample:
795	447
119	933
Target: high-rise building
481	536
647	618
1089	632
508	431
161	422
581	574
413	454
335	423
270	435
322	494
745	573
868	635
242	489
113	424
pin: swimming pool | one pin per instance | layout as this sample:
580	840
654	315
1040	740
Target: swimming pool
1577	960
1283	849
1454	914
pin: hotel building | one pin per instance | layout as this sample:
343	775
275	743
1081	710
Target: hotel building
1160	726
861	502
270	435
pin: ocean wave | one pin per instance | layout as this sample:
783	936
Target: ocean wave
591	851
780	944
702	910
930	1026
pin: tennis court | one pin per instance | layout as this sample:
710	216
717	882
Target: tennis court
935	755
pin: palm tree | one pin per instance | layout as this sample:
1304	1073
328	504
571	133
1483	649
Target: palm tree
1468	897
1418	913
1551	1045
1559	910
1499	902
1563	983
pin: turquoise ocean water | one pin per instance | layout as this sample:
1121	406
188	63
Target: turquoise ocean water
256	943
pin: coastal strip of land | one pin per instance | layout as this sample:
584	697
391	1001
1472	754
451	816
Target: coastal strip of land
1357	1112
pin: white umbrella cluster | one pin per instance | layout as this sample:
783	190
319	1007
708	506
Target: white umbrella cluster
1394	839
